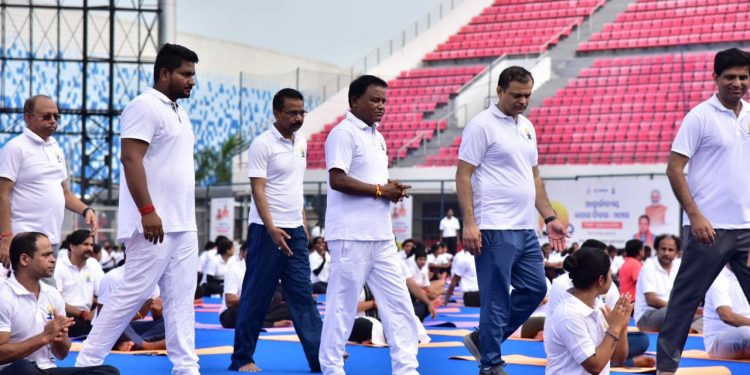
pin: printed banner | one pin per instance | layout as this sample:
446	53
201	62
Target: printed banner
401	215
611	209
222	218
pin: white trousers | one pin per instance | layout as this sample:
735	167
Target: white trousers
732	343
173	265
376	262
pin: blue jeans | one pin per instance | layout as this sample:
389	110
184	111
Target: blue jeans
509	257
265	265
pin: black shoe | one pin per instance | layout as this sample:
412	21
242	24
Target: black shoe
473	345
495	370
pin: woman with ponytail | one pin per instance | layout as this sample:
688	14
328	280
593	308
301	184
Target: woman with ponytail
582	335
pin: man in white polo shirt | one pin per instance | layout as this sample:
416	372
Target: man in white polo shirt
464	272
499	187
77	277
655	283
715	140
277	236
34	189
156	214
33	326
449	227
360	235
726	318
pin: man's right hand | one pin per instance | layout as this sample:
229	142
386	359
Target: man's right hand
152	228
5	251
472	239
279	237
701	228
394	191
57	328
619	317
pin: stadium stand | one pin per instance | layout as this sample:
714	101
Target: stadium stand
652	23
545	23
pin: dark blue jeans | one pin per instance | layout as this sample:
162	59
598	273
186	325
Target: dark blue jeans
509	257
266	264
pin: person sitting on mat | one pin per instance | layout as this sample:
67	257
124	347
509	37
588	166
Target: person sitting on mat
218	265
465	275
655	283
582	335
726	318
367	328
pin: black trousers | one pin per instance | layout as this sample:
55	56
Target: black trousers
471	299
451	243
26	367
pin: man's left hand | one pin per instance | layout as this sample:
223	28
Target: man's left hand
557	234
92	221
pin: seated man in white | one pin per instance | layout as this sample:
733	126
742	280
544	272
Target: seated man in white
320	265
77	277
655	284
726	318
464	272
218	265
582	335
33	328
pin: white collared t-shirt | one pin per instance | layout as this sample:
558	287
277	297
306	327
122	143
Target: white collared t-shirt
725	291
653	279
360	151
464	266
282	163
503	152
78	287
37	169
233	281
718	145
24	316
169	163
571	334
449	227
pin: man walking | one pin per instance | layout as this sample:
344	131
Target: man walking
277	237
156	214
498	187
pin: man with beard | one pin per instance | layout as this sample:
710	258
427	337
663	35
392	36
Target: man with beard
715	140
277	236
655	283
77	277
156	214
34	189
500	192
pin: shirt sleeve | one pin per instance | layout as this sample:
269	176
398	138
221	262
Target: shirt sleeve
442	224
257	159
576	338
11	158
688	138
339	150
231	283
139	121
647	280
459	268
473	144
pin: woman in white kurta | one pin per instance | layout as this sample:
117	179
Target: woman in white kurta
582	335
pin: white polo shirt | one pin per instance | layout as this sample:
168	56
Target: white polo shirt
717	141
360	151
282	163
233	282
169	164
450	227
465	268
217	267
571	334
24	316
503	153
315	261
561	285
37	169
653	279
78	287
725	291
420	275
110	281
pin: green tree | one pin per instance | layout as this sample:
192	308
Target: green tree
216	167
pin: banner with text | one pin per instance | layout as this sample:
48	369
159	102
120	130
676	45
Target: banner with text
401	215
222	218
608	209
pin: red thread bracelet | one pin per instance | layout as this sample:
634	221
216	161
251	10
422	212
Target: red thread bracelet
147	209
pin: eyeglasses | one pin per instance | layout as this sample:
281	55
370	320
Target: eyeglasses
47	117
294	113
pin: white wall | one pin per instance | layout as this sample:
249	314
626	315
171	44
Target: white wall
407	58
480	92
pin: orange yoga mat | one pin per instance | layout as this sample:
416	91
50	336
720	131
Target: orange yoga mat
294	338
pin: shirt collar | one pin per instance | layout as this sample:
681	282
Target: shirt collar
162	97
359	123
499	114
717	103
581	307
36	138
21	290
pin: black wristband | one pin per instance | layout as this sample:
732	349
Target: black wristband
550	219
86	210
